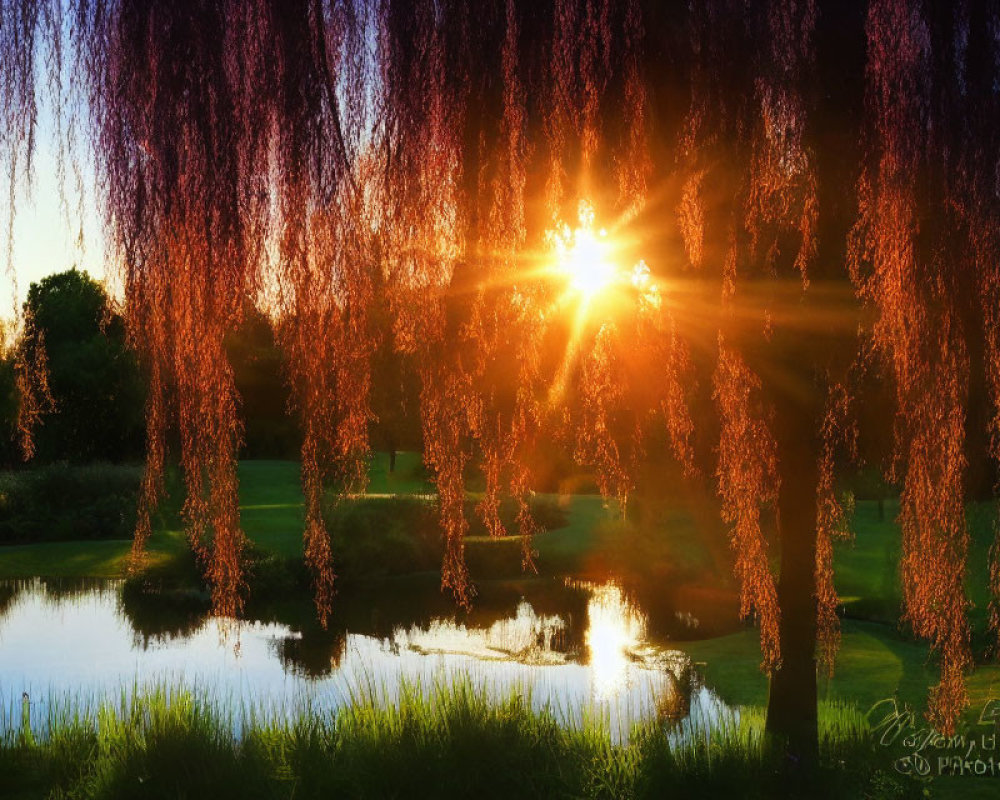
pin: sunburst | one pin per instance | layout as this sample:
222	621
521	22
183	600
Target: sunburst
585	256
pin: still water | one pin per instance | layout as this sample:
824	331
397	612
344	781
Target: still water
576	647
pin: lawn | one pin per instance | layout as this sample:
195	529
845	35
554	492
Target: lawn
271	510
874	662
867	572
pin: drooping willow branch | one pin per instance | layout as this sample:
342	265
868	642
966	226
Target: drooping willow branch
330	159
923	253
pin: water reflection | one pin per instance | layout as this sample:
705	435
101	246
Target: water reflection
525	638
158	615
614	631
575	647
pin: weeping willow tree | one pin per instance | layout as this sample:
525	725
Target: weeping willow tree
460	163
924	253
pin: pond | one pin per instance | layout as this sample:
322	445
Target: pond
576	647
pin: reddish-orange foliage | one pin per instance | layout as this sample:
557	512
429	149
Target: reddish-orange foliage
832	518
501	314
308	155
782	182
635	164
19	52
324	333
977	207
773	202
988	253
31	373
151	489
602	396
210	166
691	217
425	96
19	22
580	54
748	480
907	256
678	380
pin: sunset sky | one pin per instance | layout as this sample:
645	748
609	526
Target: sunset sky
44	239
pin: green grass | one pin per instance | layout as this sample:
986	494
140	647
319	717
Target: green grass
271	505
875	662
866	570
441	741
100	559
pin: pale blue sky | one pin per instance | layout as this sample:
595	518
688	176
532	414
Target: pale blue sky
44	240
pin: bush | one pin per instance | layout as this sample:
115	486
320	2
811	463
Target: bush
381	537
401	535
60	502
546	512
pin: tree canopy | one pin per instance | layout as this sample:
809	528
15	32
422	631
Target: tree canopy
578	217
95	391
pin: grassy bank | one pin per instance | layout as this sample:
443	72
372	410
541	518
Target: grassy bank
875	662
445	741
588	538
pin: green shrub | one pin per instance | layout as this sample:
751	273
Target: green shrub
380	537
59	502
545	511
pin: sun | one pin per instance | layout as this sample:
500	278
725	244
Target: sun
588	262
585	256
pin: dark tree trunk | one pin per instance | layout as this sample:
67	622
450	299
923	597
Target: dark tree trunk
392	460
791	708
809	353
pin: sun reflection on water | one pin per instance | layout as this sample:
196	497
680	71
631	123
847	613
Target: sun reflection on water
615	628
615	639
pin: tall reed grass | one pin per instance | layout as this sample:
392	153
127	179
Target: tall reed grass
452	739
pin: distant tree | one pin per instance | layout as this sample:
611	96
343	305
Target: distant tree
95	382
10	453
269	431
395	397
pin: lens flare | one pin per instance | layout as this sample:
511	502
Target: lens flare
585	256
588	264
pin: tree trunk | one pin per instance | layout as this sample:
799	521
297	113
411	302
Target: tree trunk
791	708
392	460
